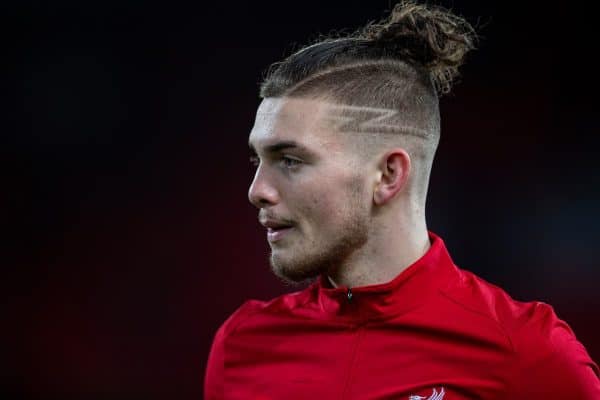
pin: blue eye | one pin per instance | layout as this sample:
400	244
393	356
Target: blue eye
290	162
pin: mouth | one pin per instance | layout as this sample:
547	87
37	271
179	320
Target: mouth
278	233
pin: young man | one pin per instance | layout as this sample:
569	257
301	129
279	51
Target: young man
344	141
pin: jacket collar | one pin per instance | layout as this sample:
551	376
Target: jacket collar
410	289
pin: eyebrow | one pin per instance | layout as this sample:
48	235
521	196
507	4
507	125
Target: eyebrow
279	146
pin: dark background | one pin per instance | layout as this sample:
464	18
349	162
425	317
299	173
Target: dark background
128	235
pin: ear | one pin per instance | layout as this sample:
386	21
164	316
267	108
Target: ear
393	173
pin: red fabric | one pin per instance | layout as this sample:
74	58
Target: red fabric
435	331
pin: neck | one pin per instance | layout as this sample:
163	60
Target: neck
388	253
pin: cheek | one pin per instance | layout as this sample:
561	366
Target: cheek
328	210
323	208
327	201
316	209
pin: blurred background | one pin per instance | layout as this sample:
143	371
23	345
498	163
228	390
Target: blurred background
128	235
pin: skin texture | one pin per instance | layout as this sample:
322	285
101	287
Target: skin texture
352	218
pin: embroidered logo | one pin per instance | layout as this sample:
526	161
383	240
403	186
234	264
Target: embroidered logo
434	396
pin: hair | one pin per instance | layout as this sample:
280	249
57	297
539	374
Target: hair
431	39
404	62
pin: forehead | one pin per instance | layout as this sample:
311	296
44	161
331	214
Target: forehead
291	119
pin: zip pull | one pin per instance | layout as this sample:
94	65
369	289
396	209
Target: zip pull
349	295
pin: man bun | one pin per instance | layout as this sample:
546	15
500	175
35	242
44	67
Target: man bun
426	36
418	44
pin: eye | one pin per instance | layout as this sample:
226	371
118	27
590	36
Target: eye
254	161
289	162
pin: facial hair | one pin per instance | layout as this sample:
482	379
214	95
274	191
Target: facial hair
323	255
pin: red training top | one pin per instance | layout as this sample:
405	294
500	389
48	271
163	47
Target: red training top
435	332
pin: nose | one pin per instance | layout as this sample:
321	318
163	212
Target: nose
262	193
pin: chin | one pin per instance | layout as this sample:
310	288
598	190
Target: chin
292	271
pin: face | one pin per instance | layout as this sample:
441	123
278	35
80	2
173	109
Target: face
309	188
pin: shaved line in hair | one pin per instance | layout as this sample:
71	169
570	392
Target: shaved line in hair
345	118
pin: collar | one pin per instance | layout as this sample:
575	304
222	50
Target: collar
408	290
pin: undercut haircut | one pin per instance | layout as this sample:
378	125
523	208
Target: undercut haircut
400	65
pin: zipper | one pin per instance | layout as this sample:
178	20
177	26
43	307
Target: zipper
349	295
350	370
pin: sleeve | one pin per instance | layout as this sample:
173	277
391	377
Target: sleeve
550	363
214	377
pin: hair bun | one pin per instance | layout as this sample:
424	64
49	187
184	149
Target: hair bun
429	36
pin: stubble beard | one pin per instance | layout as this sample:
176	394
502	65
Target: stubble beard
304	265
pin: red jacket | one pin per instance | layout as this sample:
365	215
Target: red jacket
435	332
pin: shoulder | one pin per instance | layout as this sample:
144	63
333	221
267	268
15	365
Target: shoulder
546	359
549	361
243	312
475	295
530	326
256	311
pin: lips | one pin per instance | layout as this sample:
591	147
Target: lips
276	225
275	234
276	228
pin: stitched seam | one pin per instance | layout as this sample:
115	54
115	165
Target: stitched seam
351	364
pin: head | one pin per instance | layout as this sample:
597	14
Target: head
345	136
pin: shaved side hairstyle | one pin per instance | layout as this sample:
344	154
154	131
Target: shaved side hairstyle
383	81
